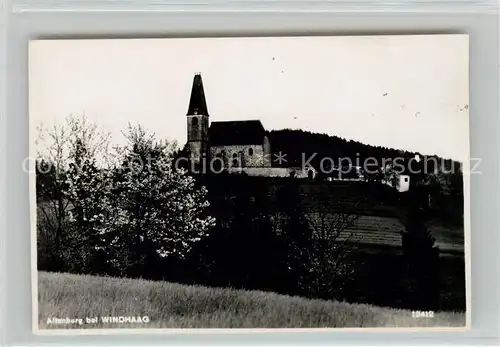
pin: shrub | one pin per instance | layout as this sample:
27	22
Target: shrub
422	259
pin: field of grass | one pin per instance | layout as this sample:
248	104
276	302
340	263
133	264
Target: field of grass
170	305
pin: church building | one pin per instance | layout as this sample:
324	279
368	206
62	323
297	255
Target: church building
238	144
233	146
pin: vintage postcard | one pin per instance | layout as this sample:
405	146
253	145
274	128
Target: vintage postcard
250	183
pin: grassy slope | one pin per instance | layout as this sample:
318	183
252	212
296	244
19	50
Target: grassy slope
177	306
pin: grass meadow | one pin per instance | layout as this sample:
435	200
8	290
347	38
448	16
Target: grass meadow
170	305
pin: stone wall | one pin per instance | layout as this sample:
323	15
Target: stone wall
195	148
247	155
272	171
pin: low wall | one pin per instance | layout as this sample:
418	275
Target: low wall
271	171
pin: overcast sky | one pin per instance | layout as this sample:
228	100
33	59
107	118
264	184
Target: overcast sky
405	92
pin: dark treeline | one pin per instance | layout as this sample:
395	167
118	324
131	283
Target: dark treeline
440	178
296	143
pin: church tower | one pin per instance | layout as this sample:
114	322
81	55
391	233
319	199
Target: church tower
197	121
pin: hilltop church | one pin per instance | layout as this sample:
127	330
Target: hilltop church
242	146
237	143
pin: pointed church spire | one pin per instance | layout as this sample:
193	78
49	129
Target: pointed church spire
197	103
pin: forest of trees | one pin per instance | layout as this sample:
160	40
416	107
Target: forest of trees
440	178
295	143
113	214
127	211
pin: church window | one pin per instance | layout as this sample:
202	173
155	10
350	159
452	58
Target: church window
235	155
235	162
250	151
195	122
218	165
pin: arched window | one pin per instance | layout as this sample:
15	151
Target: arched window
217	164
235	156
250	151
195	122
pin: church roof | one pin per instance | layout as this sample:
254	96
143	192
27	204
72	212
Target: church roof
197	103
248	132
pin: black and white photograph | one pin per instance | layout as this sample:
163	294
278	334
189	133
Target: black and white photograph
250	183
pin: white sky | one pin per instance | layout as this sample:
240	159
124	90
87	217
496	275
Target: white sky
332	85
